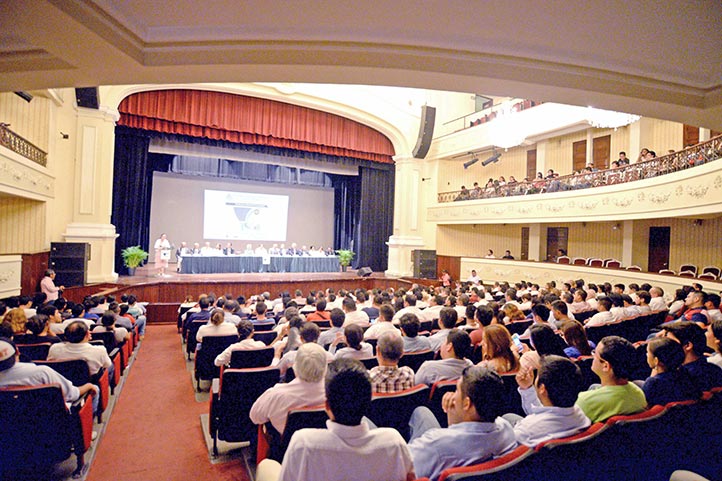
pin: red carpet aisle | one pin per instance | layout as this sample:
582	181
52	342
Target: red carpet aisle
155	431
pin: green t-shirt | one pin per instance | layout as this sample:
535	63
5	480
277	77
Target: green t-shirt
607	401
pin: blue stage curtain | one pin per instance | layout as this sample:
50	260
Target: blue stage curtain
132	187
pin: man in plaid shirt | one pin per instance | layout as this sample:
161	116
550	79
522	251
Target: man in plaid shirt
388	376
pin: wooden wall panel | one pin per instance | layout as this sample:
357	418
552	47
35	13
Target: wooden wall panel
176	291
665	135
23	223
452	264
33	271
559	152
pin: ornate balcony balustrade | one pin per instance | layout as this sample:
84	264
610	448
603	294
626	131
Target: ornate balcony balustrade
19	145
699	154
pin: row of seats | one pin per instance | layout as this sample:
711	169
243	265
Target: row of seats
40	430
709	273
649	446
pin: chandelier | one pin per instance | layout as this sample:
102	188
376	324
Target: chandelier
609	119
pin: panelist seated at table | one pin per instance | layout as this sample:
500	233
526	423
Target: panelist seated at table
294	250
274	251
248	251
208	250
330	251
229	250
196	251
261	250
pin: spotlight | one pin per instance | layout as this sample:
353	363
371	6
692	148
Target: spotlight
471	162
493	158
24	95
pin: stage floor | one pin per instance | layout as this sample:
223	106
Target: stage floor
148	274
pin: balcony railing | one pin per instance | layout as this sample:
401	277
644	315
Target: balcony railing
684	159
19	145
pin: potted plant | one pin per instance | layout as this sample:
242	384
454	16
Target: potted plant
345	257
133	256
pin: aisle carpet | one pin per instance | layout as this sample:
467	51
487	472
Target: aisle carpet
155	432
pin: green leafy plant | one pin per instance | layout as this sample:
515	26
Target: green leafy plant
133	256
345	257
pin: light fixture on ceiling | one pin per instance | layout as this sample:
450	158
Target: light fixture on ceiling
493	158
609	119
471	162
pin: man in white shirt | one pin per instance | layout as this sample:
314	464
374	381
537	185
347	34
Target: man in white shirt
550	406
16	373
432	312
347	449
474	279
409	307
305	390
604	316
657	302
383	323
352	315
77	346
580	303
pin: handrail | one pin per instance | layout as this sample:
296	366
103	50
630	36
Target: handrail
488	114
22	146
699	154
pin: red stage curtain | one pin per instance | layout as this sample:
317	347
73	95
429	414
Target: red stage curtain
249	120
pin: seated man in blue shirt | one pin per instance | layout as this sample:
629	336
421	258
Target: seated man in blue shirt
410	326
475	434
549	406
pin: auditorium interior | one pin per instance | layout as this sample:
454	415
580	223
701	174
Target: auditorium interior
394	104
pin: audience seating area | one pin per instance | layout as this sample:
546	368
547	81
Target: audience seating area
650	446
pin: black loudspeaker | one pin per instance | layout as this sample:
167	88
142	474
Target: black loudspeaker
424	264
426	131
365	272
87	97
69	260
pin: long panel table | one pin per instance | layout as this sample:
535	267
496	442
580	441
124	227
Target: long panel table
219	264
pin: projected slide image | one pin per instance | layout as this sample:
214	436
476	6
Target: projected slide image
244	215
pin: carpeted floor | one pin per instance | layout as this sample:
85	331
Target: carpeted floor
155	432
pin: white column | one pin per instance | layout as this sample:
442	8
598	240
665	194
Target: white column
407	217
535	243
627	242
704	134
94	191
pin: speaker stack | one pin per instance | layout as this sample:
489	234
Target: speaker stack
426	131
424	264
69	260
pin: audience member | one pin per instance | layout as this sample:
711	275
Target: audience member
16	373
410	326
692	338
447	321
545	342
347	445
352	315
604	316
669	382
338	318
476	431
550	408
245	333
216	327
77	346
613	360
388	376
454	359
355	347
383	324
498	354
305	390
576	338
714	337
